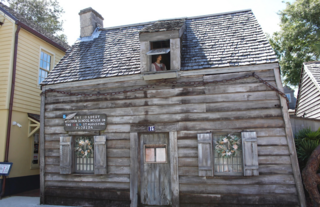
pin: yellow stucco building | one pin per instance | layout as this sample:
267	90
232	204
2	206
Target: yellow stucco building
27	55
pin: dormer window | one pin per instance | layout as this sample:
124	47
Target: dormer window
160	50
160	55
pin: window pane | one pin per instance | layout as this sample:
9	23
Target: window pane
160	154
41	58
41	64
44	56
45	74
49	57
150	155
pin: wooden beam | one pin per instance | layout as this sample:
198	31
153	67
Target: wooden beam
290	141
249	68
42	140
134	167
174	168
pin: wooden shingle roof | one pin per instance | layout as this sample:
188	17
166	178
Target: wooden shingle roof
212	41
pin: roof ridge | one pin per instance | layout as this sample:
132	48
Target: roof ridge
192	17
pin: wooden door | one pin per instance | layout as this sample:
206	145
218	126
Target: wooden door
155	187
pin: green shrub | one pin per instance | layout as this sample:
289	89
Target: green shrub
306	141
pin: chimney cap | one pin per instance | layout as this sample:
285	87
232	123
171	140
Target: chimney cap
89	9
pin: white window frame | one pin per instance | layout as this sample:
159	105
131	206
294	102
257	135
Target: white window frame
52	61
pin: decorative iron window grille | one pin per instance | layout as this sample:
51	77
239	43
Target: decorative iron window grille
83	164
227	166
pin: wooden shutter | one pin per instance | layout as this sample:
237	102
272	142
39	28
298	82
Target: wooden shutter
66	155
205	160
250	154
100	155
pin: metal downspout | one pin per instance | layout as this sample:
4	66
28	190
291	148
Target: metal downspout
11	104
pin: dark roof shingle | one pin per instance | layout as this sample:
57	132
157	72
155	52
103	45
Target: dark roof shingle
224	40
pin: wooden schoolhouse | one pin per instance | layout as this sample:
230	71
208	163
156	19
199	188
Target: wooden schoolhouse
211	129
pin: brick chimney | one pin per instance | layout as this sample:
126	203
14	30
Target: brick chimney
90	19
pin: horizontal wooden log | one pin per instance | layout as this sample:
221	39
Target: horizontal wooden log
273	150
116	136
186	143
262	141
54	137
271	160
52	160
209	98
187	152
52	144
237	88
118	144
248	200
121	153
52	152
52	168
272	141
239	189
160	118
242	123
79	193
119	161
266	75
122	170
87	193
257	180
88	178
188	162
275	169
160	92
188	171
187	108
96	185
158	127
238	106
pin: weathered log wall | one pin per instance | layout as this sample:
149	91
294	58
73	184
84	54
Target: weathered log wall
219	108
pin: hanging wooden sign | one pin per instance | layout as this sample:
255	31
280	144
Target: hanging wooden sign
96	122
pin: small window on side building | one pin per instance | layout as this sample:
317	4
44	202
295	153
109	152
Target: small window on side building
45	66
288	96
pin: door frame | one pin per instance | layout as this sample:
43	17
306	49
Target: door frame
135	167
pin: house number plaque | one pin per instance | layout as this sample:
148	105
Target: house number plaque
96	122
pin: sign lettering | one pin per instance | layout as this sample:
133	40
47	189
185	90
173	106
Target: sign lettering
86	123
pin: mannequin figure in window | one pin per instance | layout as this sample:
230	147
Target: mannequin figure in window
158	66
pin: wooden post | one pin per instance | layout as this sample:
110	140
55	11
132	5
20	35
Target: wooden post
42	140
290	140
174	168
134	167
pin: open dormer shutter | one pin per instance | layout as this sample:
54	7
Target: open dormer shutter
250	154
100	155
205	160
66	155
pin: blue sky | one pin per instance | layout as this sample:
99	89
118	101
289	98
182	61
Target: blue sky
122	12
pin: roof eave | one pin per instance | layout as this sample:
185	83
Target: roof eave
29	29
